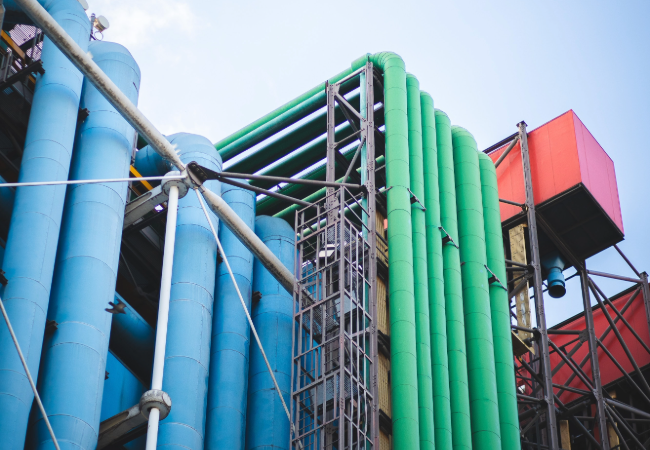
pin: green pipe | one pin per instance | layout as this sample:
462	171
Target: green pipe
288	213
481	374
435	275
308	156
404	387
421	283
456	350
499	307
273	151
270	205
280	118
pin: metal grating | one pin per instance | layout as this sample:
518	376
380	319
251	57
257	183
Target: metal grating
332	364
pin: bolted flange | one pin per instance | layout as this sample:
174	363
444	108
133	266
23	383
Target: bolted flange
155	399
181	184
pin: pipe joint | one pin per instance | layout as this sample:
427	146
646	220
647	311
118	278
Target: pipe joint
183	185
155	398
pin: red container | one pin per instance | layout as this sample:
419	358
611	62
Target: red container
574	185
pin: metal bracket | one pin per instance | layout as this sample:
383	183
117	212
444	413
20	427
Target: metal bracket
139	207
447	238
415	199
494	278
120	428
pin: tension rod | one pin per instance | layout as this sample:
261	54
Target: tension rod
248	316
29	376
106	180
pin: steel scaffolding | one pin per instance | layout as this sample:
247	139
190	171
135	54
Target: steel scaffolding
595	419
334	373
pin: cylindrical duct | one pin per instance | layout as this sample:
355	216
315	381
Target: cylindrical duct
456	349
267	425
499	308
484	406
36	219
132	341
187	355
435	275
228	383
404	381
421	284
74	357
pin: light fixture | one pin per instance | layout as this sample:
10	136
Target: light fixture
101	23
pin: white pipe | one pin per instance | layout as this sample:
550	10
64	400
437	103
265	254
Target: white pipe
163	313
158	142
107	180
43	20
29	376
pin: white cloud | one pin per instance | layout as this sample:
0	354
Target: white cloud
139	23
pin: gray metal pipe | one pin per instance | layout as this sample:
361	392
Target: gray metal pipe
148	131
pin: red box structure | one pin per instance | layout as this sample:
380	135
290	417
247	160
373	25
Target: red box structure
574	185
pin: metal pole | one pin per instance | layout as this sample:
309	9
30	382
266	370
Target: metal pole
289	180
593	356
506	151
545	359
106	180
645	291
368	179
163	313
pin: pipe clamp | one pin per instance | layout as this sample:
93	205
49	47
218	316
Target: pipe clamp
155	399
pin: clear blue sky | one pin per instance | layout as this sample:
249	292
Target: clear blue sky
211	67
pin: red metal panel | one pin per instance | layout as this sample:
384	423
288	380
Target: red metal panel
597	170
554	164
636	317
563	153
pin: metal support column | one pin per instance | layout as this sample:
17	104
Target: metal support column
593	356
645	291
334	375
545	360
370	203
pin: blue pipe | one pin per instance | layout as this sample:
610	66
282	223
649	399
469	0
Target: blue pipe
554	264
228	384
122	390
132	341
267	426
36	218
187	358
74	356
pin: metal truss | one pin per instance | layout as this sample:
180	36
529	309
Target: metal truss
594	418
334	372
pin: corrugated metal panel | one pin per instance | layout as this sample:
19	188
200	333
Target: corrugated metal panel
384	442
383	319
384	385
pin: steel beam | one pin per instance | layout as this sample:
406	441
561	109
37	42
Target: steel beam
551	425
595	366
